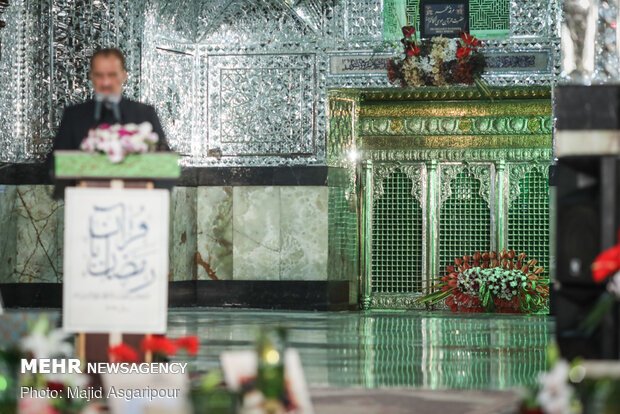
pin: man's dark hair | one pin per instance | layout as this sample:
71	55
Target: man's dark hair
107	52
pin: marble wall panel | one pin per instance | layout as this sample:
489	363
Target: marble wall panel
8	232
280	233
38	257
183	234
304	233
214	257
256	233
216	233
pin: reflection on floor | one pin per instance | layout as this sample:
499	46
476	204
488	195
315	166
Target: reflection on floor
379	349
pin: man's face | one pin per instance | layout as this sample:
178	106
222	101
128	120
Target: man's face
108	75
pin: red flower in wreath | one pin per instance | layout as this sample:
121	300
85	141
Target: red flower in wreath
159	344
412	50
606	263
408	31
189	343
469	40
462	52
122	353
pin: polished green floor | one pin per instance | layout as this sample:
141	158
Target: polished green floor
379	349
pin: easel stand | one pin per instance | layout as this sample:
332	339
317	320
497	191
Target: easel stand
135	172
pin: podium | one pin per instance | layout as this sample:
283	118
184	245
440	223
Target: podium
115	248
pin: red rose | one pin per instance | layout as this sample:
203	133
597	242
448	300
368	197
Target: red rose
122	353
408	31
189	343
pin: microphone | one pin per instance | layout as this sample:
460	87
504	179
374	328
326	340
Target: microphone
99	98
111	102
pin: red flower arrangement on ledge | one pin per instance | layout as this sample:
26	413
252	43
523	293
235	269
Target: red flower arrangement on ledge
438	61
492	282
159	345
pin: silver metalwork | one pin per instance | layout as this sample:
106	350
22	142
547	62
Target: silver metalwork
3	5
46	53
606	56
578	40
235	82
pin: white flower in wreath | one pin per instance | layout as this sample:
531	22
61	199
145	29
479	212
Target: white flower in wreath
47	345
613	286
451	48
425	65
555	393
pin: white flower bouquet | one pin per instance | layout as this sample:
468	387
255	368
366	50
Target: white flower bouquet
118	140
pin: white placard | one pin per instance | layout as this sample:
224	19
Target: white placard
115	260
238	366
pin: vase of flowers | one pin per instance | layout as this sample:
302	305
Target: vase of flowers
438	61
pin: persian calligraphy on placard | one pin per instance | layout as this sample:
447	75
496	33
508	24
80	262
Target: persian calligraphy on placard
115	260
444	18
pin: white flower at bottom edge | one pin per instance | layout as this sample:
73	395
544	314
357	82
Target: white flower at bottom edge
253	403
92	408
50	345
613	286
35	406
555	393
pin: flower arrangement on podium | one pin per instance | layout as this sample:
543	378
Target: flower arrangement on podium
118	140
438	61
492	282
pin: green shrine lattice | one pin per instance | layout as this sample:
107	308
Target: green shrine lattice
487	18
528	219
465	220
397	238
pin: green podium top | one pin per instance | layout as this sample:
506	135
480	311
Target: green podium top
152	165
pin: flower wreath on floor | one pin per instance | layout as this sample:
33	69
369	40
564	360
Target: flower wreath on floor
438	62
492	282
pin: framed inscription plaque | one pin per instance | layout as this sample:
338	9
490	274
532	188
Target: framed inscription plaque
446	18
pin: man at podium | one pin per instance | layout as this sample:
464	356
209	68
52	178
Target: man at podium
108	74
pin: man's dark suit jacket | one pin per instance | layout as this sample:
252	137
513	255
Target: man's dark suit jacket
78	119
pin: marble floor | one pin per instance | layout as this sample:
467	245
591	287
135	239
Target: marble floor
384	349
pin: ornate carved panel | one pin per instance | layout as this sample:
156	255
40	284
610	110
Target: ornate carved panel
262	104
